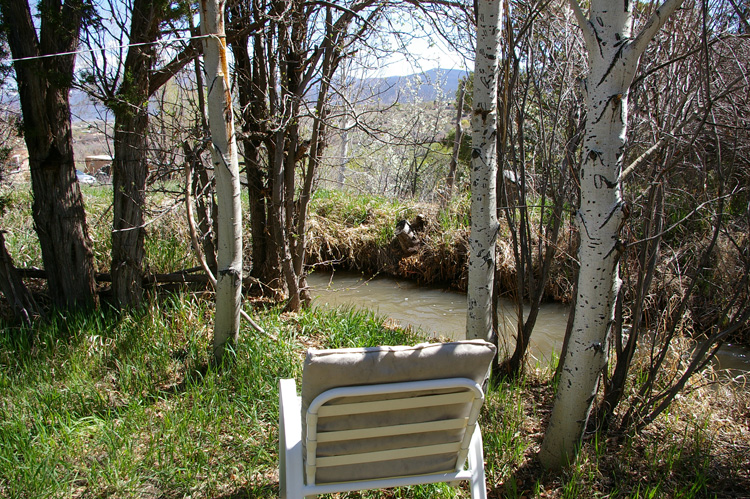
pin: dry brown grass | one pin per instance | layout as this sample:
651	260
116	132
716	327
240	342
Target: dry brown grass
442	256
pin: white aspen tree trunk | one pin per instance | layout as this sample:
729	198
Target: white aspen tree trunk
484	224
224	157
613	58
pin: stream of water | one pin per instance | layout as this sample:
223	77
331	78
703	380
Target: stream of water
441	312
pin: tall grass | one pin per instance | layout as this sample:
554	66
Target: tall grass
128	405
167	242
15	218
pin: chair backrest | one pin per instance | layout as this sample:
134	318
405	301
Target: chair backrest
391	411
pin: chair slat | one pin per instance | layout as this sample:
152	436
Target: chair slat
387	455
388	431
395	404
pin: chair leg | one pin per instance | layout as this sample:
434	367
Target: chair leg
476	463
290	443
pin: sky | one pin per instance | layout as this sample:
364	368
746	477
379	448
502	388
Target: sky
425	50
427	54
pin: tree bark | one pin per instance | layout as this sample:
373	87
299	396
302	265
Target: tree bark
451	178
613	57
252	82
130	168
15	291
484	223
43	86
224	154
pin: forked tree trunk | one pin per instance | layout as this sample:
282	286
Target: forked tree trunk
613	57
484	224
43	86
224	154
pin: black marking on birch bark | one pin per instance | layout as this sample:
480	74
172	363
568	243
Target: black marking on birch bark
583	223
612	212
600	179
615	60
235	274
616	101
595	155
618	248
598	38
597	347
222	156
213	82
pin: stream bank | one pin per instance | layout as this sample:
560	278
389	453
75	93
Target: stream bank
358	234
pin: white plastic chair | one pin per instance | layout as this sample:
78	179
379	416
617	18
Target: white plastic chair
373	436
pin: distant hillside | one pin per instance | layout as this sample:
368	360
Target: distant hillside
82	107
435	84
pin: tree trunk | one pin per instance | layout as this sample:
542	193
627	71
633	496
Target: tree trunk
613	57
484	224
451	178
43	86
130	168
202	185
129	171
15	291
278	224
224	154
251	85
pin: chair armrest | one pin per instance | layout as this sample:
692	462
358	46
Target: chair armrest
290	440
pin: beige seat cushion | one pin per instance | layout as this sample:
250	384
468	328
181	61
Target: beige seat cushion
326	369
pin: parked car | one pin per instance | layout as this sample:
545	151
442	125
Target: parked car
85	178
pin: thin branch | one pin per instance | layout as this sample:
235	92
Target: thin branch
654	24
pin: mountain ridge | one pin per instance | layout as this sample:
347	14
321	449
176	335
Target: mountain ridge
431	85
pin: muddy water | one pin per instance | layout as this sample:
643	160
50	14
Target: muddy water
442	312
435	311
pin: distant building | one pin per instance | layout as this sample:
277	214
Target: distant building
98	162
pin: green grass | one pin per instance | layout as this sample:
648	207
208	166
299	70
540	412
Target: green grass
457	213
128	405
117	405
15	218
